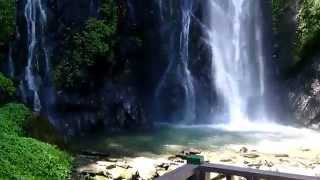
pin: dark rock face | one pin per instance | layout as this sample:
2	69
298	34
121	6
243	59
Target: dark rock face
117	105
3	96
285	34
304	94
113	107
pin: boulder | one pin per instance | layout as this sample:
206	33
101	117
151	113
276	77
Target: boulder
106	164
92	169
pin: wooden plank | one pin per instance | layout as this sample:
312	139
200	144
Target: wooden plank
254	173
181	173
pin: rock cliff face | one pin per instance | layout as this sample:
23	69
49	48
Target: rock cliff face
115	104
304	94
113	107
126	98
300	80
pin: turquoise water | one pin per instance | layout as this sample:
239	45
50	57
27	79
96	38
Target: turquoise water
167	139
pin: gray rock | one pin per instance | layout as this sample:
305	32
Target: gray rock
281	155
243	150
164	166
226	160
123	165
268	163
250	155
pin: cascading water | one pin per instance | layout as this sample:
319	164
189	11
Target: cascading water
36	17
11	70
234	36
178	52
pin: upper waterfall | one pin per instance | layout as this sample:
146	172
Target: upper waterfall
175	40
36	19
235	39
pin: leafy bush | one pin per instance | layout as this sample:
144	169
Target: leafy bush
90	52
6	86
26	158
12	119
7	18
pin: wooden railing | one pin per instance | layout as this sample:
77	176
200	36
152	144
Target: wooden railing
201	172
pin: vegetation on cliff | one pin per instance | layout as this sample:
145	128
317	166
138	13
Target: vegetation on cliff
7	89
7	23
7	19
90	53
308	30
12	119
278	9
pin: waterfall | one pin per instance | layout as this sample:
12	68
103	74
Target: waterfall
36	17
234	36
177	47
11	70
260	55
184	54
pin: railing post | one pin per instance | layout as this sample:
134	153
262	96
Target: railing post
228	177
200	174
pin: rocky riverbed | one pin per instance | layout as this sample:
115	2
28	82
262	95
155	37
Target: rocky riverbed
100	166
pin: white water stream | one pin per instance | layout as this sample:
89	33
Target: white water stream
237	61
36	17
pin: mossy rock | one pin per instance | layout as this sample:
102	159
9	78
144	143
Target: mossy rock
40	128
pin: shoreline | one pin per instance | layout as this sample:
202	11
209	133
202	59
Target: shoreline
303	161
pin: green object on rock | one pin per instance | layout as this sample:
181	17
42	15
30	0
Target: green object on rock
195	159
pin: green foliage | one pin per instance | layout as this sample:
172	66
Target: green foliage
12	119
6	86
89	49
27	158
278	9
308	32
7	18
